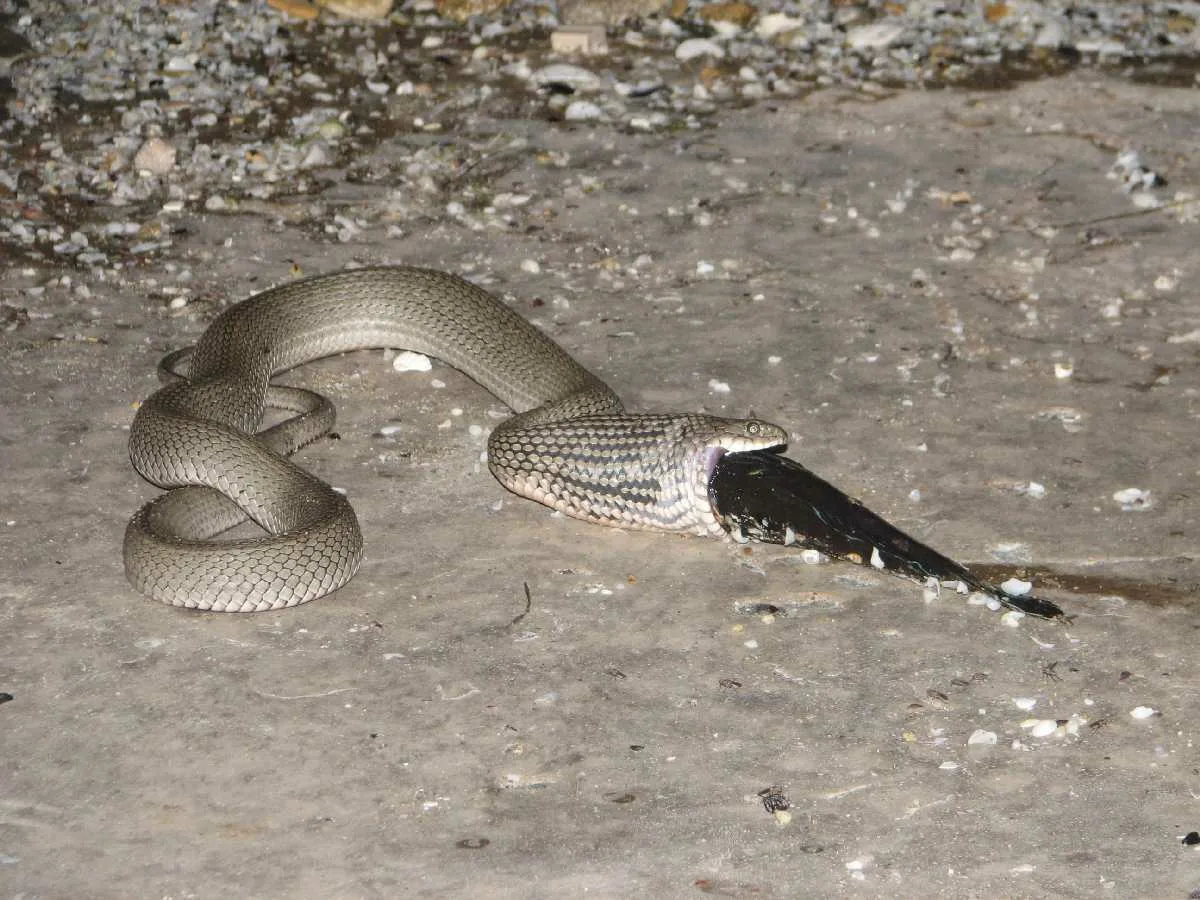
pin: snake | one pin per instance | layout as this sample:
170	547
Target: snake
570	443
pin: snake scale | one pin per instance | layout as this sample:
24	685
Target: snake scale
569	445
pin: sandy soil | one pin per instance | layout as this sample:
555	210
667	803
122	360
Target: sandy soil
919	265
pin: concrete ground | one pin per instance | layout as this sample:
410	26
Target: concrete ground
937	292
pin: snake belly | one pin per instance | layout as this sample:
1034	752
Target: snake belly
570	444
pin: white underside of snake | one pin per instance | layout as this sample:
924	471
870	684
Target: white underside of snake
570	445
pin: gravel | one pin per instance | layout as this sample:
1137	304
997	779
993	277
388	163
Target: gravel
117	117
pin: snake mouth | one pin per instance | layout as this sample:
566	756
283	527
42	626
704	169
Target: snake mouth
711	458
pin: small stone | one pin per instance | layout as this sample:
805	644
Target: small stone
180	65
298	8
995	12
358	9
575	77
607	12
1051	36
156	156
1012	618
1133	499
777	23
461	10
740	14
583	111
589	40
408	361
876	36
1015	587
315	158
693	48
1043	728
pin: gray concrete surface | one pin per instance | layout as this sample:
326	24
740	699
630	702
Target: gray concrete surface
422	733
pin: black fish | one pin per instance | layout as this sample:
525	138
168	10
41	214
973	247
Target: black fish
773	499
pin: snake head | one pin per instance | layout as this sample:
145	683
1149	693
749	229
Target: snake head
739	436
742	435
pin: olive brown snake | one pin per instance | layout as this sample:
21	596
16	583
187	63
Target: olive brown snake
570	445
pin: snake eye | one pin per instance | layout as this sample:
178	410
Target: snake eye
753	428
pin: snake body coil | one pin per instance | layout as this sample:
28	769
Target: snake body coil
570	446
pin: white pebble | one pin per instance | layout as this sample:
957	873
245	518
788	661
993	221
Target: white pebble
1034	489
1042	727
876	36
508	200
777	23
180	65
1012	618
811	557
579	78
156	156
316	157
1133	499
705	268
948	766
1063	371
1025	704
531	266
694	47
408	361
583	111
981	738
1189	337
718	387
1015	587
1143	712
876	559
1051	36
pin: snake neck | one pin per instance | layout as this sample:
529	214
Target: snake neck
630	471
